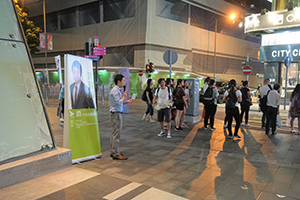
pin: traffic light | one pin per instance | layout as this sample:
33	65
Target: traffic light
149	68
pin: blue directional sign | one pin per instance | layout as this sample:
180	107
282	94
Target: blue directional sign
288	61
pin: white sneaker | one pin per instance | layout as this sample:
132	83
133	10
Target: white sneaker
169	136
242	124
144	117
247	125
161	134
61	119
152	120
225	126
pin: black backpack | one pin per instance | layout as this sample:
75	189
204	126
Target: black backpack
144	97
263	102
208	96
230	103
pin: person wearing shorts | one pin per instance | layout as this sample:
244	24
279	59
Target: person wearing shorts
180	103
162	95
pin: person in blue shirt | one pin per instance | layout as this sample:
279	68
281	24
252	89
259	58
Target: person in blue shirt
116	101
61	99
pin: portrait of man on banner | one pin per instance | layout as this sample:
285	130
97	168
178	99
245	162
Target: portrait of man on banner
81	94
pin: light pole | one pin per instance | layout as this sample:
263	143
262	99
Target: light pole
45	32
215	57
46	46
232	17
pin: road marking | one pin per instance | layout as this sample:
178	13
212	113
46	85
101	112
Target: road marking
124	190
154	194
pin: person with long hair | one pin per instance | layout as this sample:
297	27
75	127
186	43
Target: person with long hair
149	101
180	103
187	99
245	104
295	108
232	97
211	108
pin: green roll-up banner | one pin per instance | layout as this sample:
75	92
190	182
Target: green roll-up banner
81	129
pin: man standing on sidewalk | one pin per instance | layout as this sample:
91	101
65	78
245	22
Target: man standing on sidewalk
273	103
263	91
116	111
163	94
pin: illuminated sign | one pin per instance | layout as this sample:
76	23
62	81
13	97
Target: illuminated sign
279	53
272	20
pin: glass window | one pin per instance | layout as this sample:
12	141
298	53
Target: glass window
68	18
38	21
172	9
202	18
118	9
89	14
51	21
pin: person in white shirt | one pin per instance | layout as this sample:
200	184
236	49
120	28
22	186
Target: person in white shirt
163	94
273	103
263	90
232	97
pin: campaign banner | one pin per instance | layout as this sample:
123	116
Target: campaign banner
43	41
58	66
81	129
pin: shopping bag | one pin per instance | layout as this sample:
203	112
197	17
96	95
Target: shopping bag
58	111
278	121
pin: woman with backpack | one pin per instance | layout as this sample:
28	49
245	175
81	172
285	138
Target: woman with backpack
148	98
295	108
180	103
210	104
232	97
246	102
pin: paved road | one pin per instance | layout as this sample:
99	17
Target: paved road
194	164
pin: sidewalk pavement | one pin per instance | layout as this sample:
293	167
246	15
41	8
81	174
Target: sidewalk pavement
193	164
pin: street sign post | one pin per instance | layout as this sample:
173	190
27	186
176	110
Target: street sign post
287	62
140	73
247	70
170	57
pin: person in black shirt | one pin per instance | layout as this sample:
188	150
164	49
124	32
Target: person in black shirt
149	101
245	104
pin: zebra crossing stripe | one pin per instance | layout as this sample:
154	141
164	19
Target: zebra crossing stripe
154	194
124	190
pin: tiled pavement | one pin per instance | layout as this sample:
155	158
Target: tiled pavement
194	164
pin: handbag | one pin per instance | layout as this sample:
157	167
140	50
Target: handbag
59	111
278	121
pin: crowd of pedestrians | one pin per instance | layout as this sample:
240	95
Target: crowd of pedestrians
172	103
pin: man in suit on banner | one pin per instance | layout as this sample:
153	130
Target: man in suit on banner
80	93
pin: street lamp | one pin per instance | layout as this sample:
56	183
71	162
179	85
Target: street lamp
232	17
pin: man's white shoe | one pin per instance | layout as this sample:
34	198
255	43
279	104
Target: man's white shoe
169	136
61	119
242	124
247	125
161	134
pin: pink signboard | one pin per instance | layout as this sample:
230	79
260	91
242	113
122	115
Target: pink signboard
99	51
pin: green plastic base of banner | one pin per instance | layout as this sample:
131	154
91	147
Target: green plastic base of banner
84	133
